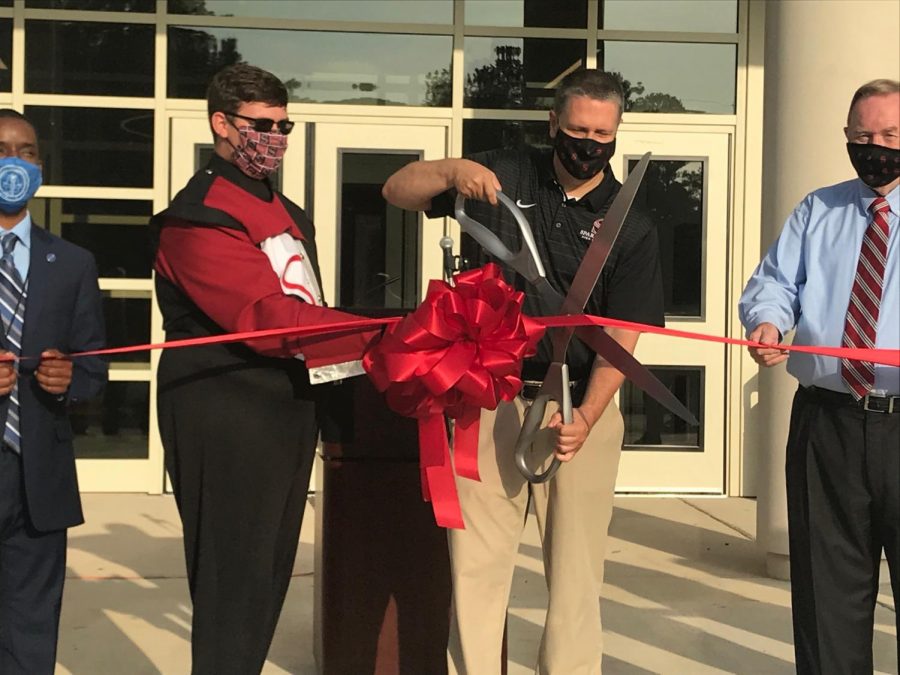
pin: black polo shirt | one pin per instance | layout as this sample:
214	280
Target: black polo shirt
630	286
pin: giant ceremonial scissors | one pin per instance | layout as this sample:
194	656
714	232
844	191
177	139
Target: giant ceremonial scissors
527	262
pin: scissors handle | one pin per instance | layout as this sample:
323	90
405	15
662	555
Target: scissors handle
555	388
526	261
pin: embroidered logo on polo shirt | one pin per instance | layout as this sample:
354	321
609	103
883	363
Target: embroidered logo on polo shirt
523	206
595	226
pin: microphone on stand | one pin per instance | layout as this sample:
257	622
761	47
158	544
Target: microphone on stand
446	244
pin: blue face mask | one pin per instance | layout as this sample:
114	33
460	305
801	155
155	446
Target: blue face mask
19	180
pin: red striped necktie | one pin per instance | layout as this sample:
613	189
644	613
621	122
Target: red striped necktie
865	299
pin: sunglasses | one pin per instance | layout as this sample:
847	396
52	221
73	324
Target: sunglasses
264	124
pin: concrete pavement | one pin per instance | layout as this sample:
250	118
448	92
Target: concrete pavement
686	593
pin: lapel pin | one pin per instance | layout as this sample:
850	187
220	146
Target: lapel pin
51	257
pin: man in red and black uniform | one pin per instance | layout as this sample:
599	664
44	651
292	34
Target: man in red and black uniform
238	421
565	195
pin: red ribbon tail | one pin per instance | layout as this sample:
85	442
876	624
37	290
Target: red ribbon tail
465	443
438	481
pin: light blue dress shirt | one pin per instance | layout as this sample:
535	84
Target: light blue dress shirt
807	275
22	251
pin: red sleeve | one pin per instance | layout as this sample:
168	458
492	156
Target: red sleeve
233	283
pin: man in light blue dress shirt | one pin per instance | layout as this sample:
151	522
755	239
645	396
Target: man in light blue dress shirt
843	450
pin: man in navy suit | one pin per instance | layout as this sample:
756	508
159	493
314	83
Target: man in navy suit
50	306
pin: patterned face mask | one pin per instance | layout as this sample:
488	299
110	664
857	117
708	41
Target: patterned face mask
583	158
259	154
876	165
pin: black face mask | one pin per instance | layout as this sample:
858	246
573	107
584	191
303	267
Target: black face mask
583	158
876	165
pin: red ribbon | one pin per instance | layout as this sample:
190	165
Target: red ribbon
885	357
459	352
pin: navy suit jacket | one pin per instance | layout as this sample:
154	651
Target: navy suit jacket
63	311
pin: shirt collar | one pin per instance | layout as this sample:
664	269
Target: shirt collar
22	230
261	189
867	195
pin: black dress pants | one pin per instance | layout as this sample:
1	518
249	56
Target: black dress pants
843	488
239	453
32	573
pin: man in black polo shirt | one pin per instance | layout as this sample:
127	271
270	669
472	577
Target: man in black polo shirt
565	195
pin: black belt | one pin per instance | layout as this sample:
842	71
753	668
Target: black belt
530	388
869	403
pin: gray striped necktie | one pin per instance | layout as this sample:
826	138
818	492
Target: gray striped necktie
12	311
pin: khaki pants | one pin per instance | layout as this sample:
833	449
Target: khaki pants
573	511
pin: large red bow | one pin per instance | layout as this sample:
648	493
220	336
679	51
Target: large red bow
459	352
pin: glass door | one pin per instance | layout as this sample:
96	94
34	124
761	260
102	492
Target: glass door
685	192
113	434
372	254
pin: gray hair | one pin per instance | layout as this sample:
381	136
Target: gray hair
881	87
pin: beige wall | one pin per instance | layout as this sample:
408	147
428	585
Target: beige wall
817	53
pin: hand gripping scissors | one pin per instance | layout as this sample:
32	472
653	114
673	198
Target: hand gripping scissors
526	261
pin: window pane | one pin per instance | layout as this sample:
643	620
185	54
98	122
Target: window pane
517	72
379	259
318	67
527	13
115	425
127	316
480	135
96	5
115	231
6	63
79	57
389	11
647	423
673	194
95	146
673	77
697	16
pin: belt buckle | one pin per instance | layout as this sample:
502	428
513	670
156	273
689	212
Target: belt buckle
535	385
890	403
529	390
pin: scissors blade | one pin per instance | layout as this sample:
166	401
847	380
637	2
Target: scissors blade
623	361
598	252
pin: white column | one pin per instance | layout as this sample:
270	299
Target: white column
817	55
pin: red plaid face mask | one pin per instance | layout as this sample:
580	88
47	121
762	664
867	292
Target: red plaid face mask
259	154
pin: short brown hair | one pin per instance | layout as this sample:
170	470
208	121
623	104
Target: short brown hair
588	82
243	83
881	87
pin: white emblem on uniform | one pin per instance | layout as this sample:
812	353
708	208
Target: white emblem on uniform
290	262
523	206
14	183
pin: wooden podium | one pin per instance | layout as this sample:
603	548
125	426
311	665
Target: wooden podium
382	574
